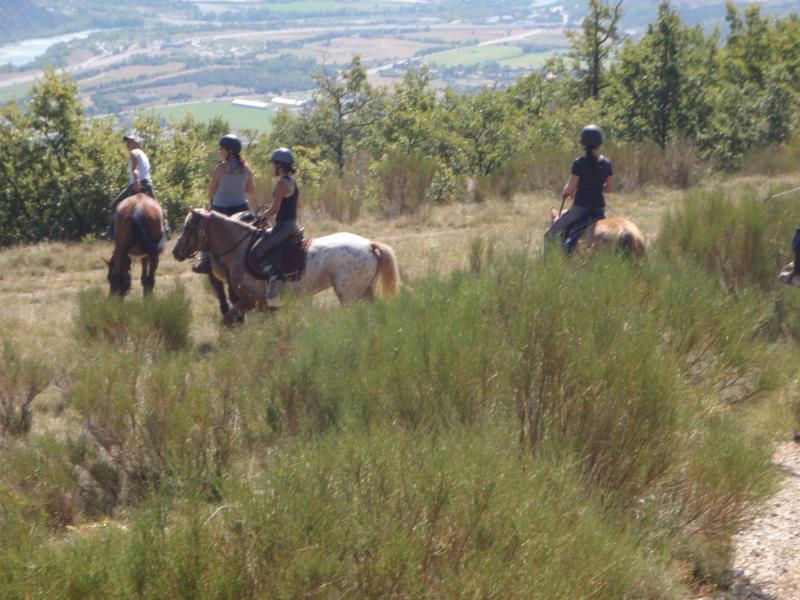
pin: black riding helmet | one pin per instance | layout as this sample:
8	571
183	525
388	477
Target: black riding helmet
283	156
231	143
591	135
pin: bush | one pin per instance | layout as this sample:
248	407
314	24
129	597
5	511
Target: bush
21	380
154	322
403	182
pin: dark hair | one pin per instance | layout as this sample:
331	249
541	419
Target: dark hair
289	169
242	163
593	158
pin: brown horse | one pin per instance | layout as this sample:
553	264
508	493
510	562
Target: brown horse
139	226
612	232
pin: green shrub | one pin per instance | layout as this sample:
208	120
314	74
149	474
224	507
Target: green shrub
160	321
21	380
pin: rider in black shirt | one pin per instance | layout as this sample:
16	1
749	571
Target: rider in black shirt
592	176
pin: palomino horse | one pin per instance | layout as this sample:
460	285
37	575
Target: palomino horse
139	227
610	232
356	267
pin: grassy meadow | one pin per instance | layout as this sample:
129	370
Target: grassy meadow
508	427
238	117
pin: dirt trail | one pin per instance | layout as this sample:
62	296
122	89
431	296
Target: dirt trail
767	559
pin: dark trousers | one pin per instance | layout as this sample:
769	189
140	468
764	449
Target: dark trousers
147	188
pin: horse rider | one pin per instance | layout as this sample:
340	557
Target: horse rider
231	186
285	201
139	168
592	176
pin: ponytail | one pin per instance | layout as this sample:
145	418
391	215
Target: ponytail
241	163
593	159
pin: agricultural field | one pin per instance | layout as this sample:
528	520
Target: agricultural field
239	117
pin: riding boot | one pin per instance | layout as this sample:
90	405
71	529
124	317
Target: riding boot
274	288
202	266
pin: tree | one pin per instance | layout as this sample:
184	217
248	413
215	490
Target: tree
592	44
57	171
346	107
650	81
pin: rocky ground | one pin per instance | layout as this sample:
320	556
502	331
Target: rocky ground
767	561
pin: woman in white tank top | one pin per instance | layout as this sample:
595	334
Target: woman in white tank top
139	169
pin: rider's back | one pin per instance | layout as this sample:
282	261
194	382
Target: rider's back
592	176
232	185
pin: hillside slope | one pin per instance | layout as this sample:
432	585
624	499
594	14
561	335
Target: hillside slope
23	18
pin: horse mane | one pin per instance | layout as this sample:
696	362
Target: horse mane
212	214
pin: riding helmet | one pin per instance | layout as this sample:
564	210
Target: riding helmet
231	143
591	135
283	156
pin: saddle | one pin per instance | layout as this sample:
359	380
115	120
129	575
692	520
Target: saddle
286	261
573	233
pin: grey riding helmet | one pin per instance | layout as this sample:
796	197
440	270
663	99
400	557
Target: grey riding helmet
231	143
591	135
283	156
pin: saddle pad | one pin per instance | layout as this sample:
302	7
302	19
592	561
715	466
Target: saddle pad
288	259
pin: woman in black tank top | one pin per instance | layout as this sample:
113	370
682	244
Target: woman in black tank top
285	201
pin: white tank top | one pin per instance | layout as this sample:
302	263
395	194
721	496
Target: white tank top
142	163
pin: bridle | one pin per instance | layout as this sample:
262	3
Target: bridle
202	232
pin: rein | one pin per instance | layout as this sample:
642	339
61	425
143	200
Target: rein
236	245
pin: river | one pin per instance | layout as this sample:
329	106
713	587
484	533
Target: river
23	52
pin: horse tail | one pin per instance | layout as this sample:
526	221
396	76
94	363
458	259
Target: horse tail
140	235
631	245
387	276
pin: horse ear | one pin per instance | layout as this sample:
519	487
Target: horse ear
105	260
194	210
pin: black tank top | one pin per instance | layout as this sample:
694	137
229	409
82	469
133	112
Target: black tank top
288	210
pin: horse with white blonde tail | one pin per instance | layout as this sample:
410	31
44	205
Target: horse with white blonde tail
356	268
617	233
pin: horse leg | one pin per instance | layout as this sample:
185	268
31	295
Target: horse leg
149	266
237	311
219	290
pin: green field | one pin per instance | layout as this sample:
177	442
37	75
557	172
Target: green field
507	56
17	92
532	60
239	117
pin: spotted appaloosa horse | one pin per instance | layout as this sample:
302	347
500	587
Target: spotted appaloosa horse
611	232
356	267
139	227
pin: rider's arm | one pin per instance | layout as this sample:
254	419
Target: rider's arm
135	171
250	189
608	186
212	187
571	186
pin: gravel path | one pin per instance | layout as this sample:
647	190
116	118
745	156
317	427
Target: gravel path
767	559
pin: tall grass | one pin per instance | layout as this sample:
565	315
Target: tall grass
521	428
154	321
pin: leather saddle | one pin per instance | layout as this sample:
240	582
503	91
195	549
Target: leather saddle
286	261
574	232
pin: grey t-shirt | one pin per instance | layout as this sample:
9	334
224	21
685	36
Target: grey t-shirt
232	186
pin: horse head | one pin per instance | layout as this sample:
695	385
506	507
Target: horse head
119	283
194	236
